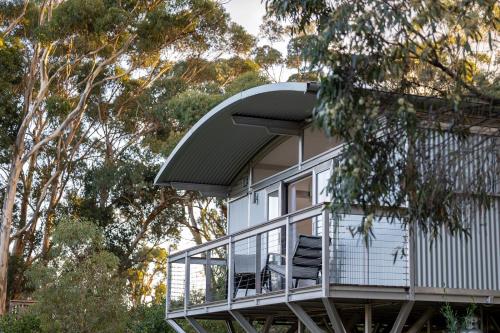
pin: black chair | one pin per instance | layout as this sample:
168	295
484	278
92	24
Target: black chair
244	273
306	262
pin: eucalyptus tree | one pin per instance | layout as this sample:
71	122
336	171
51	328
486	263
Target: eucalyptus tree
71	68
443	49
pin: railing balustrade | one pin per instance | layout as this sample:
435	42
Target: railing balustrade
287	254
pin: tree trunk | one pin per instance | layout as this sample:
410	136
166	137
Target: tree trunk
6	224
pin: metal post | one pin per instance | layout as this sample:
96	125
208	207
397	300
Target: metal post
288	258
208	277
244	323
304	318
229	326
301	149
230	272
325	258
195	325
403	314
412	260
268	324
175	326
422	321
258	254
187	282
334	316
169	287
368	318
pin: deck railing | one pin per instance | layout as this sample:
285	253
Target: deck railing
201	275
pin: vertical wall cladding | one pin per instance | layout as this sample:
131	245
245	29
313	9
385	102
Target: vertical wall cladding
464	261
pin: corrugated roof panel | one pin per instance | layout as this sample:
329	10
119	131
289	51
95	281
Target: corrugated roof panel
215	150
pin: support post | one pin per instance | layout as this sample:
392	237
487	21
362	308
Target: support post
175	326
258	254
293	328
169	286
208	277
494	322
268	324
403	314
424	319
244	323
196	326
325	255
187	282
230	272
229	326
412	259
368	318
304	318
288	258
334	316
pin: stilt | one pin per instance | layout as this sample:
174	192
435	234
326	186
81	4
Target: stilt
419	324
196	326
244	323
368	318
304	318
175	326
403	314
334	316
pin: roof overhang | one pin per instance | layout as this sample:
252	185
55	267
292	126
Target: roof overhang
215	150
221	143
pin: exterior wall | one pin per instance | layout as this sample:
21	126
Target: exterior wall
457	261
460	261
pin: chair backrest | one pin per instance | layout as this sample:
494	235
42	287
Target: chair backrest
308	251
244	263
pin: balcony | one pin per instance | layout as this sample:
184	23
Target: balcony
291	258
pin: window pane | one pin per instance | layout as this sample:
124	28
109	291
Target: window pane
258	208
322	179
273	204
238	215
316	142
280	158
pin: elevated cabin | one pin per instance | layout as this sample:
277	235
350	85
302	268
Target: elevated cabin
281	264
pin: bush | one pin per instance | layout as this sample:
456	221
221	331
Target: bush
79	290
27	323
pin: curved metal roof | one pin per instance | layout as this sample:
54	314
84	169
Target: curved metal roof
215	149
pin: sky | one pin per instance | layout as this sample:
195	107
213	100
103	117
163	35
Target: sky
248	14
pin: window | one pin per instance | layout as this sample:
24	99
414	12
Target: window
258	208
238	215
322	179
280	158
300	197
273	204
316	142
299	194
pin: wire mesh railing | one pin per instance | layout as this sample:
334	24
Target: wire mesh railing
286	254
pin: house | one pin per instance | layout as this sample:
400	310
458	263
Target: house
281	265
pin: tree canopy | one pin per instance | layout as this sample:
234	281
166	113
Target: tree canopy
371	57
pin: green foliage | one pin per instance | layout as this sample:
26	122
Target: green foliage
267	56
79	290
149	319
26	323
432	48
243	82
11	71
455	322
